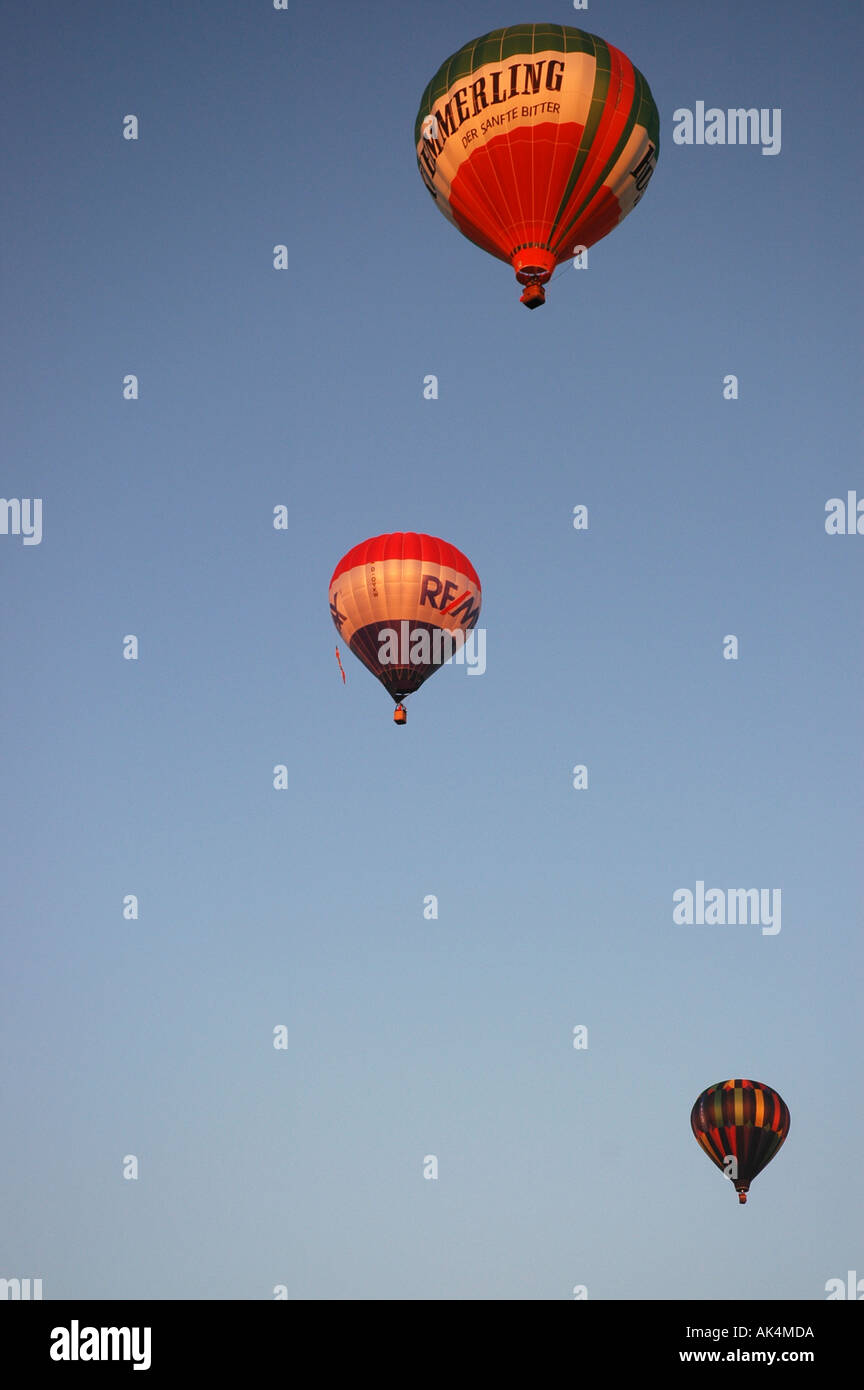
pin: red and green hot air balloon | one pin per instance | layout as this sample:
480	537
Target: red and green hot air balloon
535	141
404	603
740	1125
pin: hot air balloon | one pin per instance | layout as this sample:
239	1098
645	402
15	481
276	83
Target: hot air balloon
404	603
740	1125
535	141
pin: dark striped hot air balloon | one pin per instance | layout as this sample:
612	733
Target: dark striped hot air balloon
535	141
404	603
740	1125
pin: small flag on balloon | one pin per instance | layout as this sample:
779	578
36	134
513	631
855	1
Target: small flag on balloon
339	659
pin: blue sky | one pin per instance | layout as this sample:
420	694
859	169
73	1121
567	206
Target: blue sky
304	907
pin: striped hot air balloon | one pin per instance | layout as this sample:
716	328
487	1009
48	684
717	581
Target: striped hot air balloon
535	141
404	603
740	1125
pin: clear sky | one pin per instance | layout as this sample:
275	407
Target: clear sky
410	1037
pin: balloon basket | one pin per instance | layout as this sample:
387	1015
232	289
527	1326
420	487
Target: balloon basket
533	296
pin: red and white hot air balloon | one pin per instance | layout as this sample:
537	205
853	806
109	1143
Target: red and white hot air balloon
404	603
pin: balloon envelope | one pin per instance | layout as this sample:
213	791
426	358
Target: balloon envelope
404	603
537	140
741	1120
